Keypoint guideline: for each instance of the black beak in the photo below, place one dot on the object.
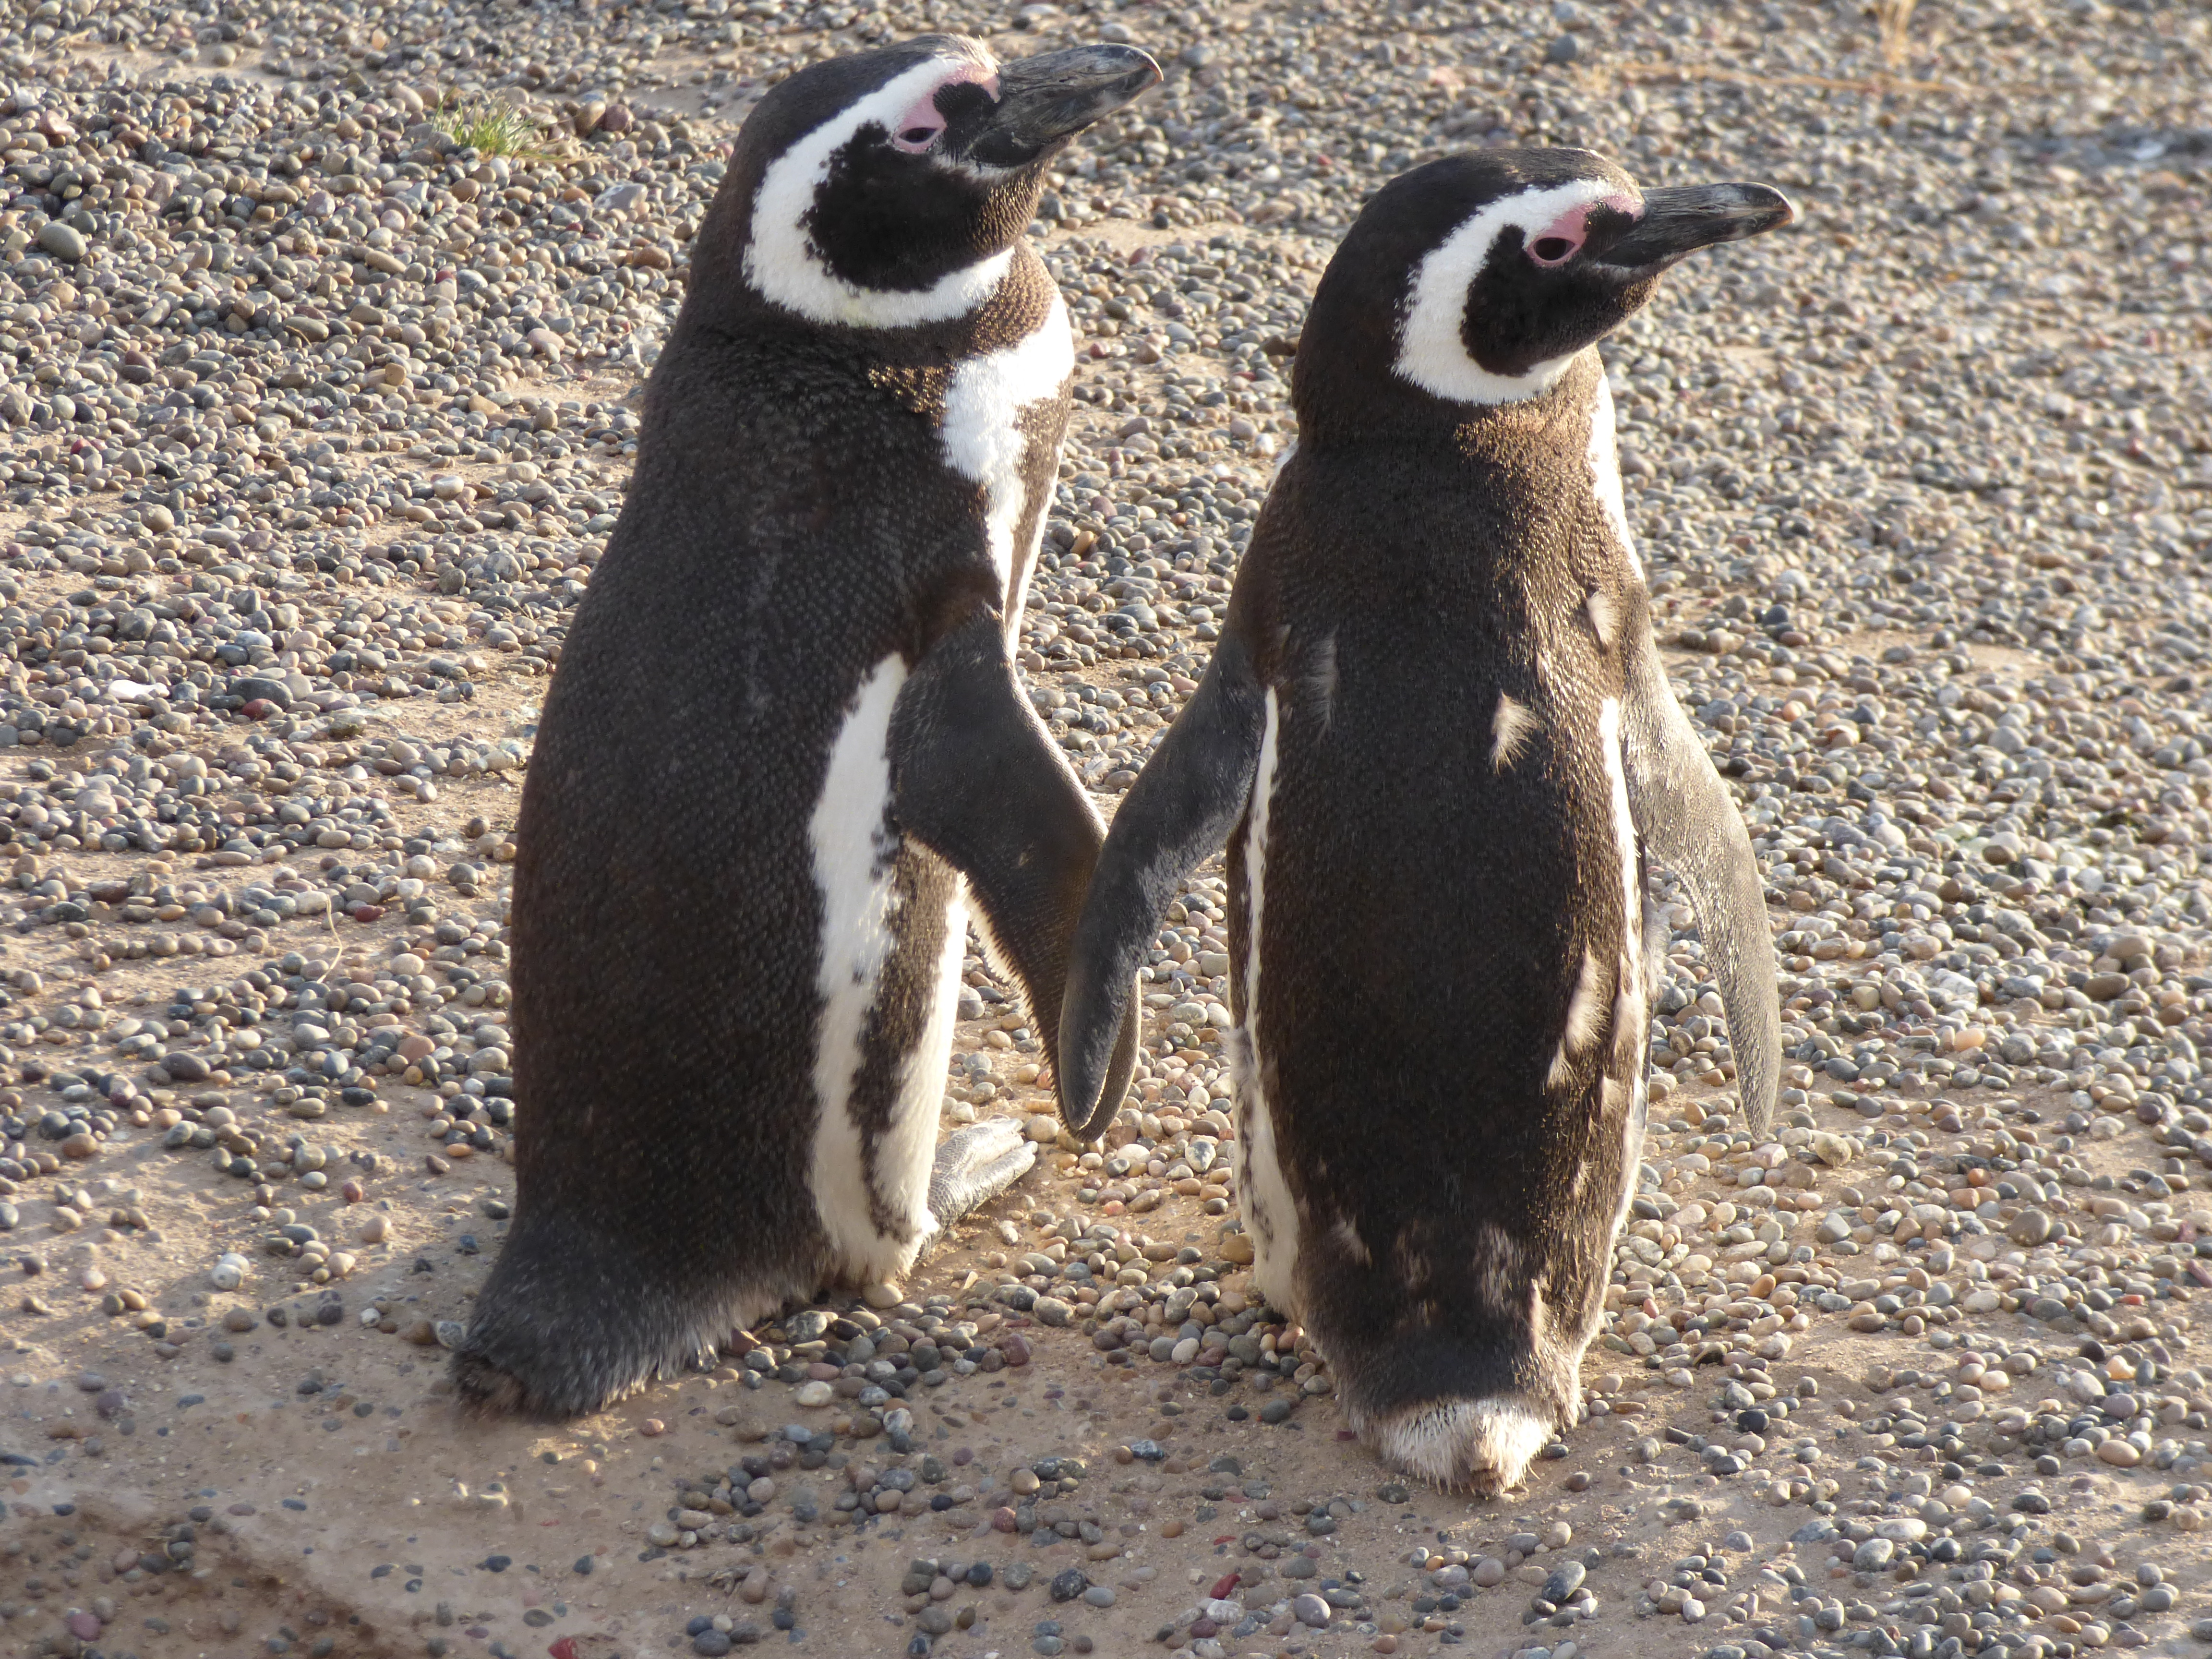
(1678, 223)
(1046, 99)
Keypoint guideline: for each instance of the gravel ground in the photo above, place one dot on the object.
(314, 424)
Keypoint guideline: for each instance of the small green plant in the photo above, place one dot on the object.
(489, 126)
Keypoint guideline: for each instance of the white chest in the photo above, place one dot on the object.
(983, 437)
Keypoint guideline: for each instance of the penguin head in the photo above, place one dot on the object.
(1478, 277)
(888, 189)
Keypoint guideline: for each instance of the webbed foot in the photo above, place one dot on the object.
(974, 1165)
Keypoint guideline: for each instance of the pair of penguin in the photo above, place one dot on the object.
(785, 760)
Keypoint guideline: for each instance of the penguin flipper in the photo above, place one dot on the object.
(1689, 822)
(977, 781)
(1184, 805)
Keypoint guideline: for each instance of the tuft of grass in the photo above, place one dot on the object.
(1893, 19)
(490, 126)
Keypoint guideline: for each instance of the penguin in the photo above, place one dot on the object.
(1437, 741)
(784, 759)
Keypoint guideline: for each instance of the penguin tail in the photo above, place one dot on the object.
(1463, 1410)
(564, 1329)
(1482, 1445)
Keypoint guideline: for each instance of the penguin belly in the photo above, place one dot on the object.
(895, 916)
(894, 931)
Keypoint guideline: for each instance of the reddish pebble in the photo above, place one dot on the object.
(258, 709)
(1017, 1349)
(353, 1192)
(1002, 1520)
(83, 1626)
(1204, 1627)
(1222, 1586)
(563, 1649)
(651, 1426)
(1171, 1529)
(366, 913)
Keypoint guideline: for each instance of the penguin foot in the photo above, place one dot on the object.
(975, 1165)
(1480, 1446)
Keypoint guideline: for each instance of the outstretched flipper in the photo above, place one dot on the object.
(1689, 823)
(1183, 806)
(974, 1165)
(977, 781)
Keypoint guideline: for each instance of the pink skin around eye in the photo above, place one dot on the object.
(1560, 241)
(920, 127)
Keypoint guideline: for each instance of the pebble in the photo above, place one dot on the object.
(1931, 579)
(63, 241)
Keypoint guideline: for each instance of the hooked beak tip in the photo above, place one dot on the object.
(1055, 95)
(1678, 221)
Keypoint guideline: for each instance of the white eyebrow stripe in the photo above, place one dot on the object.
(782, 263)
(1431, 352)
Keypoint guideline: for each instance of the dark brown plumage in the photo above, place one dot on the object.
(795, 526)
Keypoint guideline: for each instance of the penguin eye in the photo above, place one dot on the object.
(1556, 243)
(920, 127)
